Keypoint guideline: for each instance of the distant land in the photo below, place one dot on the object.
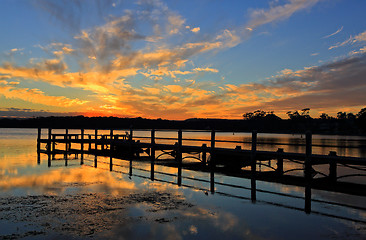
(268, 125)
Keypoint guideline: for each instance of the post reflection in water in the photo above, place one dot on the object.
(255, 174)
(308, 198)
(160, 169)
(253, 189)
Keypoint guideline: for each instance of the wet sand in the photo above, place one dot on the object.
(93, 215)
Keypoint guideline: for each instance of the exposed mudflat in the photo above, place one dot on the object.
(81, 216)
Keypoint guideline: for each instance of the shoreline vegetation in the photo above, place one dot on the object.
(298, 122)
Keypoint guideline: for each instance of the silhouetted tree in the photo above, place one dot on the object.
(248, 116)
(324, 116)
(293, 115)
(341, 115)
(305, 114)
(351, 116)
(271, 116)
(361, 115)
(260, 115)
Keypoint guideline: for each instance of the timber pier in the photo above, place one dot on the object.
(238, 162)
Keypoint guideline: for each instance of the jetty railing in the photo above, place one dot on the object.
(237, 162)
(113, 144)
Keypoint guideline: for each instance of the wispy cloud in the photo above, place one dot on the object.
(16, 49)
(351, 40)
(57, 49)
(359, 51)
(275, 13)
(332, 34)
(69, 14)
(28, 113)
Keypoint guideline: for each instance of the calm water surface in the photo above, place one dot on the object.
(80, 201)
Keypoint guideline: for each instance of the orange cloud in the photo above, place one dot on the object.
(37, 96)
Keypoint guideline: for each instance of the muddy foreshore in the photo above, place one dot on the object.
(93, 215)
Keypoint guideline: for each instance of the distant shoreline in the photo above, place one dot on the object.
(284, 126)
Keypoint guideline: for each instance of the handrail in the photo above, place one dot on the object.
(249, 142)
(248, 198)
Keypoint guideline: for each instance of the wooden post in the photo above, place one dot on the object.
(180, 140)
(179, 156)
(253, 189)
(280, 161)
(253, 154)
(49, 160)
(38, 158)
(212, 150)
(66, 137)
(308, 172)
(39, 139)
(95, 161)
(179, 181)
(307, 198)
(308, 153)
(130, 137)
(39, 146)
(130, 172)
(53, 148)
(49, 141)
(112, 138)
(204, 154)
(212, 162)
(82, 147)
(76, 138)
(111, 151)
(89, 136)
(96, 139)
(103, 141)
(332, 167)
(152, 153)
(239, 159)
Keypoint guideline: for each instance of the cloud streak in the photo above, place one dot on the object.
(332, 34)
(360, 38)
(275, 13)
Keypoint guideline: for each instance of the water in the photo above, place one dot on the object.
(80, 201)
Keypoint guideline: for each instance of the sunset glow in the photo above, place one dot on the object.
(181, 59)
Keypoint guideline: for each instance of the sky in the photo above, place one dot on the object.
(181, 59)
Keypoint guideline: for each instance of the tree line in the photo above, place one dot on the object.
(303, 114)
(299, 121)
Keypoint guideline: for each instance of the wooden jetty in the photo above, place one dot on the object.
(232, 161)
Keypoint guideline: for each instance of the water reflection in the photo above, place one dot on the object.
(174, 176)
(50, 199)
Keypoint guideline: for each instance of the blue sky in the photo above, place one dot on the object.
(181, 59)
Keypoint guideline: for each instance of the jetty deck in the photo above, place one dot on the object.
(238, 162)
